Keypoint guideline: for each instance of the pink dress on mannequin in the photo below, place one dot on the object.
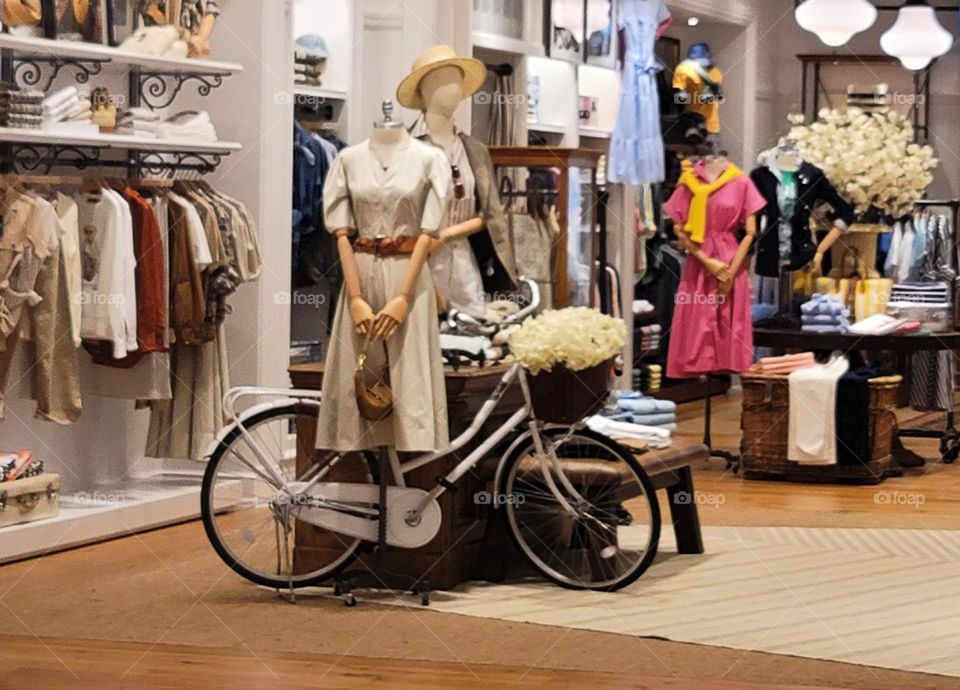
(712, 334)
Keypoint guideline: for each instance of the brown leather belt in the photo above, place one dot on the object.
(385, 246)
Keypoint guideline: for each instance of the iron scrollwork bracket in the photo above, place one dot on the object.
(156, 163)
(37, 72)
(31, 158)
(159, 89)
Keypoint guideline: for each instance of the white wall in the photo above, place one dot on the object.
(107, 444)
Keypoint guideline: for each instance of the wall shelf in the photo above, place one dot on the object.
(27, 47)
(594, 133)
(505, 44)
(319, 92)
(546, 128)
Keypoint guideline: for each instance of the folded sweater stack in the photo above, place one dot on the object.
(309, 68)
(635, 408)
(68, 111)
(650, 337)
(784, 365)
(647, 378)
(655, 437)
(21, 109)
(824, 314)
(188, 125)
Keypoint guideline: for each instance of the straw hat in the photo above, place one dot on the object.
(474, 74)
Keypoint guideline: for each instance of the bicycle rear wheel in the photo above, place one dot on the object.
(606, 535)
(251, 524)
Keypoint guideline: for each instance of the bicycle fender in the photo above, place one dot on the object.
(503, 461)
(247, 414)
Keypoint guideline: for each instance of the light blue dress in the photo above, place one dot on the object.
(636, 151)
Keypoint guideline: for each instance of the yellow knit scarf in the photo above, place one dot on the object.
(697, 221)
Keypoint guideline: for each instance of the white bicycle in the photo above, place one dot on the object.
(578, 505)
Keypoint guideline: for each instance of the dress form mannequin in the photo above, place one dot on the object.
(388, 139)
(442, 91)
(723, 272)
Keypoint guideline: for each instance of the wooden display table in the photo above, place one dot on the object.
(451, 558)
(902, 345)
(469, 546)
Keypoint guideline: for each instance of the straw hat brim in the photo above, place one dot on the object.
(474, 74)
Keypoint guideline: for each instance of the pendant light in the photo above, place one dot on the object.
(836, 21)
(916, 38)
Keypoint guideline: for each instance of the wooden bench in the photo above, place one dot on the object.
(670, 470)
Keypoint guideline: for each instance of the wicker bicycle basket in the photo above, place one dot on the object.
(561, 396)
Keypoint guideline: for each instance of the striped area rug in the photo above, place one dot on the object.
(875, 597)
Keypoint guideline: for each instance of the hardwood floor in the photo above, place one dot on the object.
(62, 663)
(924, 498)
(159, 610)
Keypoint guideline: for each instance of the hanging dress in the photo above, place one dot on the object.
(404, 199)
(636, 151)
(712, 333)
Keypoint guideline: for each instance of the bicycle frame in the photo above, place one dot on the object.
(400, 470)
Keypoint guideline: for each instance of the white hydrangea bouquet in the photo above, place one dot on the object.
(577, 338)
(871, 158)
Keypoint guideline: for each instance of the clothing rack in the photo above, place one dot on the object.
(11, 180)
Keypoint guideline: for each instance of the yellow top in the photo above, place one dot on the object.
(696, 225)
(686, 79)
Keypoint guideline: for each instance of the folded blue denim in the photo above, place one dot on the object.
(640, 404)
(661, 419)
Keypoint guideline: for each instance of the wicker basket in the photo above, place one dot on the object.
(766, 421)
(561, 396)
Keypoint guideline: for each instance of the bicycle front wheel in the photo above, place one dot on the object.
(250, 522)
(588, 519)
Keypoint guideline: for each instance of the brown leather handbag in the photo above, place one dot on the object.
(374, 402)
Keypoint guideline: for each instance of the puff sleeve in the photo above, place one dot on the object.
(337, 204)
(678, 205)
(439, 180)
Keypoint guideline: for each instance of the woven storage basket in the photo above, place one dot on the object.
(766, 422)
(561, 396)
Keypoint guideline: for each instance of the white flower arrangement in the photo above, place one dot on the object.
(871, 158)
(576, 337)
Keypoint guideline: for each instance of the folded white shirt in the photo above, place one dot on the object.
(657, 437)
(878, 324)
(57, 99)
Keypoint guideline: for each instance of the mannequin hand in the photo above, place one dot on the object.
(390, 317)
(362, 315)
(724, 286)
(436, 244)
(715, 266)
(817, 265)
(198, 46)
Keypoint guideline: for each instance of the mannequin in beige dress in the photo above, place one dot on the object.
(385, 143)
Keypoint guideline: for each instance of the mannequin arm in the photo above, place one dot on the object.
(395, 312)
(825, 246)
(714, 266)
(455, 232)
(360, 311)
(200, 42)
(726, 280)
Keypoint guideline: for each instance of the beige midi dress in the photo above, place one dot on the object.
(405, 198)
